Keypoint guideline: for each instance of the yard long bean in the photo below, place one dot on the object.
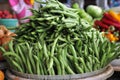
(59, 42)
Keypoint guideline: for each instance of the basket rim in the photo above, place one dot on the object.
(67, 76)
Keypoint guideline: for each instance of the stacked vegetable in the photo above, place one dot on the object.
(57, 41)
(90, 14)
(110, 24)
(82, 13)
(5, 14)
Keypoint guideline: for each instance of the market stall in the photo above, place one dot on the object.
(56, 42)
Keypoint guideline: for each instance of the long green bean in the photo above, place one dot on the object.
(58, 41)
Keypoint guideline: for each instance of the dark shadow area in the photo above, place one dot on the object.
(115, 76)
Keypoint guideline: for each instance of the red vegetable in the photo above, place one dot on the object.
(109, 17)
(5, 14)
(108, 22)
(101, 24)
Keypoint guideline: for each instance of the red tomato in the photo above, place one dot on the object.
(1, 12)
(6, 12)
(10, 15)
(3, 16)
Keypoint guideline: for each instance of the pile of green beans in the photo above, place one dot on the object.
(62, 56)
(57, 41)
(50, 21)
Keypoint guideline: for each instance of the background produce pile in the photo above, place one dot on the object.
(5, 14)
(110, 25)
(58, 41)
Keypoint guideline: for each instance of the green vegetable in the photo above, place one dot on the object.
(85, 15)
(58, 41)
(82, 13)
(94, 11)
(75, 6)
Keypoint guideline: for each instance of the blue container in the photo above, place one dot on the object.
(9, 23)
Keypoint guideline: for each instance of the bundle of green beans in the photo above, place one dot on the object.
(52, 20)
(57, 41)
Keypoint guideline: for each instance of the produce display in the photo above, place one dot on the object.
(82, 13)
(5, 14)
(91, 13)
(57, 41)
(110, 25)
(8, 19)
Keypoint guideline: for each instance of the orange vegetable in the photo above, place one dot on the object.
(1, 33)
(5, 37)
(2, 27)
(114, 15)
(2, 76)
(111, 37)
(119, 15)
(5, 40)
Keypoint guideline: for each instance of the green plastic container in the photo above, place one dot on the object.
(11, 24)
